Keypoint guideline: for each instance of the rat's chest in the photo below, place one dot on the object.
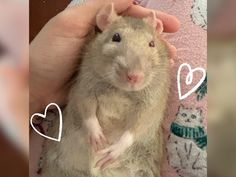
(115, 111)
(114, 105)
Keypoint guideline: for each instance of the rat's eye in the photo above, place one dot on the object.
(116, 37)
(184, 114)
(151, 44)
(193, 116)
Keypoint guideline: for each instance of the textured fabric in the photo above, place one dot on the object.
(191, 44)
(197, 134)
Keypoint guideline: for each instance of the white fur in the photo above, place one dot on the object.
(125, 141)
(92, 124)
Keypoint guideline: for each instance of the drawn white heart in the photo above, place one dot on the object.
(189, 79)
(44, 116)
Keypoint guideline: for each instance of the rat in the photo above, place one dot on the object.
(112, 123)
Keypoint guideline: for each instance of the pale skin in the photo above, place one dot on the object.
(54, 54)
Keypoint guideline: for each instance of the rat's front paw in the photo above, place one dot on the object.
(114, 151)
(110, 155)
(96, 136)
(97, 139)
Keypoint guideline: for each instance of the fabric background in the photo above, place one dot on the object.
(191, 44)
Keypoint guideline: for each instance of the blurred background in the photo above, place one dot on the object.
(14, 39)
(222, 88)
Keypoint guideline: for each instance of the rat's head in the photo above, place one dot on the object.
(189, 117)
(130, 52)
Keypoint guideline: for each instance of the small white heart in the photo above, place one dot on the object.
(44, 116)
(189, 79)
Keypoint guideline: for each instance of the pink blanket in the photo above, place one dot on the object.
(191, 44)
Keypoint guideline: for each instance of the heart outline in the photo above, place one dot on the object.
(189, 80)
(58, 139)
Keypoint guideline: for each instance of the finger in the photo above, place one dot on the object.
(94, 144)
(103, 160)
(102, 142)
(105, 164)
(99, 144)
(121, 5)
(171, 23)
(104, 151)
(103, 139)
(171, 49)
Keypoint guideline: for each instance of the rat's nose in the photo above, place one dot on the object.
(134, 78)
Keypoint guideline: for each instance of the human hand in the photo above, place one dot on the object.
(54, 53)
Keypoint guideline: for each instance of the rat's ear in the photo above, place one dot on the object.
(154, 22)
(106, 16)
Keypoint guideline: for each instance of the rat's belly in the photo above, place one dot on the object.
(114, 112)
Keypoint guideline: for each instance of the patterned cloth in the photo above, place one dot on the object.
(191, 44)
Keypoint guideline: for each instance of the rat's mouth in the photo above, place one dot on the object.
(127, 86)
(129, 82)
